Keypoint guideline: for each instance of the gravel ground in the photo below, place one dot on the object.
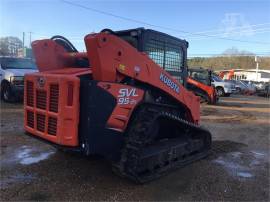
(237, 169)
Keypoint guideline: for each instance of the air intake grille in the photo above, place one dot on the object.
(30, 93)
(42, 106)
(30, 119)
(52, 126)
(41, 122)
(41, 99)
(54, 96)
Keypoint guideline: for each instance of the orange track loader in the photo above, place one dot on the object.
(199, 82)
(119, 100)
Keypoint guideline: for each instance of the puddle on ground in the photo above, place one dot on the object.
(26, 155)
(244, 174)
(242, 165)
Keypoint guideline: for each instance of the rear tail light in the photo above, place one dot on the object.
(70, 94)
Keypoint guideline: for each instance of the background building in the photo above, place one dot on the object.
(246, 74)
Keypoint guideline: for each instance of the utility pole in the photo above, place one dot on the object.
(23, 40)
(257, 67)
(30, 39)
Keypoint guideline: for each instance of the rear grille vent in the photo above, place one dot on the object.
(52, 126)
(42, 106)
(30, 119)
(41, 99)
(41, 122)
(30, 93)
(54, 96)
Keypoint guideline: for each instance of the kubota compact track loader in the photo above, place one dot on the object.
(119, 100)
(199, 81)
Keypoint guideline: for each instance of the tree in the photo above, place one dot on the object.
(229, 62)
(9, 46)
(235, 52)
(230, 59)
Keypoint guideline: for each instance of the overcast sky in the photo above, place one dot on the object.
(210, 26)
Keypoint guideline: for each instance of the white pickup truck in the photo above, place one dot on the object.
(12, 72)
(223, 88)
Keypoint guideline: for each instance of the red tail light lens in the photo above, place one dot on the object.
(70, 95)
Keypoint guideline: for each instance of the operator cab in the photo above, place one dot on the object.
(201, 75)
(167, 51)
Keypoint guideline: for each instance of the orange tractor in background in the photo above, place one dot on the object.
(124, 99)
(229, 74)
(199, 82)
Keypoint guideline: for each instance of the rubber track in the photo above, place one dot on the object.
(139, 137)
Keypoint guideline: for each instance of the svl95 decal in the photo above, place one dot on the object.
(126, 96)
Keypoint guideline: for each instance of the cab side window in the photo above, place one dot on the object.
(168, 56)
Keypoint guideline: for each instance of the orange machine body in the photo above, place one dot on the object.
(53, 97)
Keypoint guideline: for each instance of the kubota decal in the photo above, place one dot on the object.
(169, 82)
(126, 96)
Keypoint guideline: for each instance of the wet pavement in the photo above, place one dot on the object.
(236, 169)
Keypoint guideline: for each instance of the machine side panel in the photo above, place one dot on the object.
(112, 57)
(102, 119)
(128, 97)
